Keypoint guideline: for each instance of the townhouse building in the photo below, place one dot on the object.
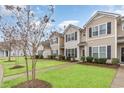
(101, 37)
(105, 36)
(44, 49)
(72, 38)
(57, 43)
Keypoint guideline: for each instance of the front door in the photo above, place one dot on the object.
(122, 54)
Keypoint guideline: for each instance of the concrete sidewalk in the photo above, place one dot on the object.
(1, 74)
(118, 82)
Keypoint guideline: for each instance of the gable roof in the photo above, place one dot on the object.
(46, 44)
(69, 26)
(103, 13)
(57, 34)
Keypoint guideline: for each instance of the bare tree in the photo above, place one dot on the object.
(32, 30)
(8, 34)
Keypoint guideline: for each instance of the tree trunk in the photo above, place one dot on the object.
(9, 56)
(26, 61)
(33, 66)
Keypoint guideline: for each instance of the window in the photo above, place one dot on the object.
(72, 36)
(70, 52)
(95, 52)
(54, 40)
(102, 51)
(123, 26)
(95, 31)
(40, 52)
(102, 29)
(55, 52)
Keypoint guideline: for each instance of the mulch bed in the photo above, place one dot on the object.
(17, 67)
(100, 65)
(36, 84)
(10, 61)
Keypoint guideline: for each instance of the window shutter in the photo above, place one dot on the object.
(108, 52)
(90, 51)
(66, 52)
(75, 52)
(75, 35)
(66, 38)
(57, 52)
(90, 32)
(51, 52)
(57, 40)
(109, 28)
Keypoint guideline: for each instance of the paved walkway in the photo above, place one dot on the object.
(39, 70)
(1, 74)
(118, 82)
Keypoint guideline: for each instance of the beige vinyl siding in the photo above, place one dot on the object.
(72, 44)
(99, 21)
(102, 39)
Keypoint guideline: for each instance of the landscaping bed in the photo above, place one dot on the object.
(101, 65)
(17, 67)
(34, 84)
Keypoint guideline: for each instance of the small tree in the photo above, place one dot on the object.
(31, 31)
(8, 35)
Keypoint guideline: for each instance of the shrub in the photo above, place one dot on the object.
(115, 60)
(102, 60)
(89, 59)
(82, 58)
(68, 58)
(36, 56)
(49, 57)
(61, 57)
(96, 60)
(41, 56)
(53, 56)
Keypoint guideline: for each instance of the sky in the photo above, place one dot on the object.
(69, 14)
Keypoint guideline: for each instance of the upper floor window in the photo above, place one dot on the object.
(54, 40)
(102, 29)
(123, 26)
(95, 31)
(70, 37)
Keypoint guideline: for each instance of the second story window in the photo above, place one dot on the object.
(102, 29)
(54, 41)
(123, 26)
(95, 31)
(71, 37)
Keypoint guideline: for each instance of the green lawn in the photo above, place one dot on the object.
(75, 76)
(40, 64)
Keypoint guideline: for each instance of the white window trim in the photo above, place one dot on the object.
(93, 31)
(122, 26)
(105, 31)
(92, 50)
(70, 36)
(99, 30)
(99, 50)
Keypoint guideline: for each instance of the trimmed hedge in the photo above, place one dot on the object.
(96, 60)
(102, 60)
(39, 56)
(82, 58)
(115, 60)
(61, 57)
(89, 59)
